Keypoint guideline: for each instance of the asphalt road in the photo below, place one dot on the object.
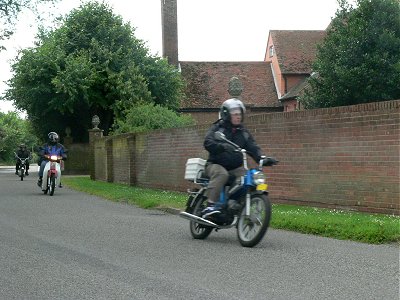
(76, 246)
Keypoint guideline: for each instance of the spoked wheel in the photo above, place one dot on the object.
(21, 173)
(197, 230)
(251, 229)
(52, 184)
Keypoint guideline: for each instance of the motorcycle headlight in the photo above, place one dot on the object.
(53, 157)
(259, 178)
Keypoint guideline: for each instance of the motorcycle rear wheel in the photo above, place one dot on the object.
(199, 231)
(251, 229)
(52, 184)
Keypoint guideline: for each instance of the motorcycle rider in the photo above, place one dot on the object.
(223, 160)
(52, 147)
(22, 152)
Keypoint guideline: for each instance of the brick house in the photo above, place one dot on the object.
(269, 86)
(207, 88)
(291, 54)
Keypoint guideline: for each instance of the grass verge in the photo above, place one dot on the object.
(338, 224)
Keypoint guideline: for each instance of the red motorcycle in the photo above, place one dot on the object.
(51, 174)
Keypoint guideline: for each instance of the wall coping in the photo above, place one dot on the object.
(373, 106)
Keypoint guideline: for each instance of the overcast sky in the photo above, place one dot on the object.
(208, 30)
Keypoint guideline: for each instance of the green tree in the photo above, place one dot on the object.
(13, 132)
(9, 11)
(359, 60)
(92, 64)
(148, 117)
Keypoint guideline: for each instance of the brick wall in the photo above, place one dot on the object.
(346, 157)
(77, 162)
(120, 156)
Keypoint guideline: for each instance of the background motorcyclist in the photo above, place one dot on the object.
(52, 147)
(223, 160)
(22, 152)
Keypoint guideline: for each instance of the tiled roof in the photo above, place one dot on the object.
(296, 49)
(207, 83)
(296, 90)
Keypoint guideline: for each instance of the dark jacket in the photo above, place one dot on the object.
(23, 153)
(239, 135)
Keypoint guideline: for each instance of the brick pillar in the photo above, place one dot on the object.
(132, 165)
(169, 24)
(109, 161)
(94, 134)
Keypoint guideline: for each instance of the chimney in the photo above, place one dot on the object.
(169, 23)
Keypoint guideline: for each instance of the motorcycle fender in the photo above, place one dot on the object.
(52, 172)
(192, 201)
(260, 193)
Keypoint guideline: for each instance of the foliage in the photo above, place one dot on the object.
(9, 11)
(362, 227)
(147, 117)
(13, 132)
(92, 64)
(359, 60)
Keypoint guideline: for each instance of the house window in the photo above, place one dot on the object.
(271, 51)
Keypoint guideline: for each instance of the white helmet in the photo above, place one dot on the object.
(230, 105)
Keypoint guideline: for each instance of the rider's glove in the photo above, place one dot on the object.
(270, 161)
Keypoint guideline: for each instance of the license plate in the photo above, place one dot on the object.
(262, 187)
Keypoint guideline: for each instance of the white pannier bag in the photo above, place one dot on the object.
(193, 167)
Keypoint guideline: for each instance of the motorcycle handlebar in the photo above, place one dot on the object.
(221, 137)
(16, 156)
(264, 162)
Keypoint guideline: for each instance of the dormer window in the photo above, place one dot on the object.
(271, 51)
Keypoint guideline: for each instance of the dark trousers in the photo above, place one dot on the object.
(19, 163)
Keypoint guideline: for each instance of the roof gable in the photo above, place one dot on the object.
(296, 49)
(207, 83)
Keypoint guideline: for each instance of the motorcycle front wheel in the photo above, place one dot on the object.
(52, 184)
(251, 229)
(21, 173)
(199, 231)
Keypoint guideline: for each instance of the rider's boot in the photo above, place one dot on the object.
(39, 183)
(26, 173)
(210, 210)
(16, 172)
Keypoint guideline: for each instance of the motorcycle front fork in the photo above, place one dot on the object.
(224, 199)
(247, 204)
